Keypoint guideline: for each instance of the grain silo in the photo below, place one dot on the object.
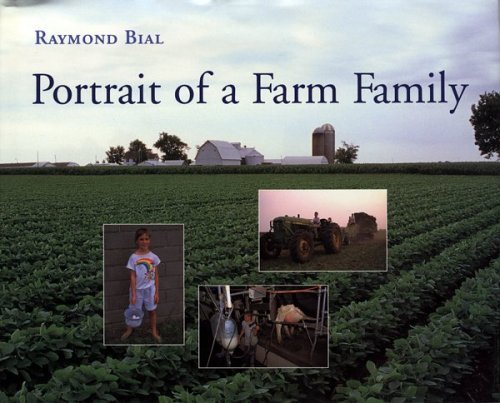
(323, 142)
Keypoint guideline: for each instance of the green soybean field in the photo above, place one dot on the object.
(428, 329)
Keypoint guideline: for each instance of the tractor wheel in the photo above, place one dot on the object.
(301, 247)
(269, 249)
(332, 239)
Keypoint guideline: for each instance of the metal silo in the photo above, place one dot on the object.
(323, 142)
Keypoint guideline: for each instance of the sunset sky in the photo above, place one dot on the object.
(338, 204)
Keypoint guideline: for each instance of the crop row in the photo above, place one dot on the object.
(141, 372)
(164, 372)
(432, 361)
(346, 288)
(411, 204)
(420, 248)
(32, 353)
(116, 380)
(442, 338)
(438, 168)
(41, 292)
(360, 330)
(57, 261)
(204, 259)
(12, 319)
(447, 211)
(33, 251)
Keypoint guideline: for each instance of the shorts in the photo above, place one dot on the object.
(144, 297)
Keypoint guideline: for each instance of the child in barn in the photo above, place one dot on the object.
(144, 281)
(249, 331)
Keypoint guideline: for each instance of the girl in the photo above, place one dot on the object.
(144, 281)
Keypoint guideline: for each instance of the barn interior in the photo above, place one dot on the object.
(303, 334)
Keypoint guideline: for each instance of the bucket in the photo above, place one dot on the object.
(133, 317)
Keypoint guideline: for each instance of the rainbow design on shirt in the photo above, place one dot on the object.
(147, 263)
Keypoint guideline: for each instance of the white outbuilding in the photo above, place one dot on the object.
(249, 155)
(315, 160)
(156, 163)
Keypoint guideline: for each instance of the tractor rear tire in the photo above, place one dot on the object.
(301, 247)
(332, 239)
(269, 249)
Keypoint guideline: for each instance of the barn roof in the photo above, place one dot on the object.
(227, 151)
(231, 151)
(249, 152)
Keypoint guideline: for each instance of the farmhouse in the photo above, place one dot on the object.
(219, 152)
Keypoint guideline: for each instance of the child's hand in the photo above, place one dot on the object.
(157, 297)
(132, 300)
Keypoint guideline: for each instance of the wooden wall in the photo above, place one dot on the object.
(167, 241)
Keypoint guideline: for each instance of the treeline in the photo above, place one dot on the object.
(429, 168)
(172, 147)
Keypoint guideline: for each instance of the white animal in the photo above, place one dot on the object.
(288, 313)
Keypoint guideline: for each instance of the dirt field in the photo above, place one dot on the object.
(367, 255)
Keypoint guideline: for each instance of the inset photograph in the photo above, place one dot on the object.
(323, 230)
(263, 326)
(143, 284)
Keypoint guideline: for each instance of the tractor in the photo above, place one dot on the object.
(300, 236)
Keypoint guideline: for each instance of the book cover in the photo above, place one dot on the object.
(180, 117)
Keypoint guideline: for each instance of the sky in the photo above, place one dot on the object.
(300, 42)
(338, 204)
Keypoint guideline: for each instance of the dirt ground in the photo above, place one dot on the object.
(366, 255)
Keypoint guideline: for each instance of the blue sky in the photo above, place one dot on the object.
(301, 42)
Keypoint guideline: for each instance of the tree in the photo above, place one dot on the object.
(138, 152)
(486, 122)
(116, 154)
(172, 147)
(346, 154)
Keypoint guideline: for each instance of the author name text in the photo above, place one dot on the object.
(129, 37)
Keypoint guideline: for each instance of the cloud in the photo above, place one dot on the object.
(24, 3)
(300, 42)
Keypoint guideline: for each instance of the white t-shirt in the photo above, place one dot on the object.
(248, 327)
(145, 269)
